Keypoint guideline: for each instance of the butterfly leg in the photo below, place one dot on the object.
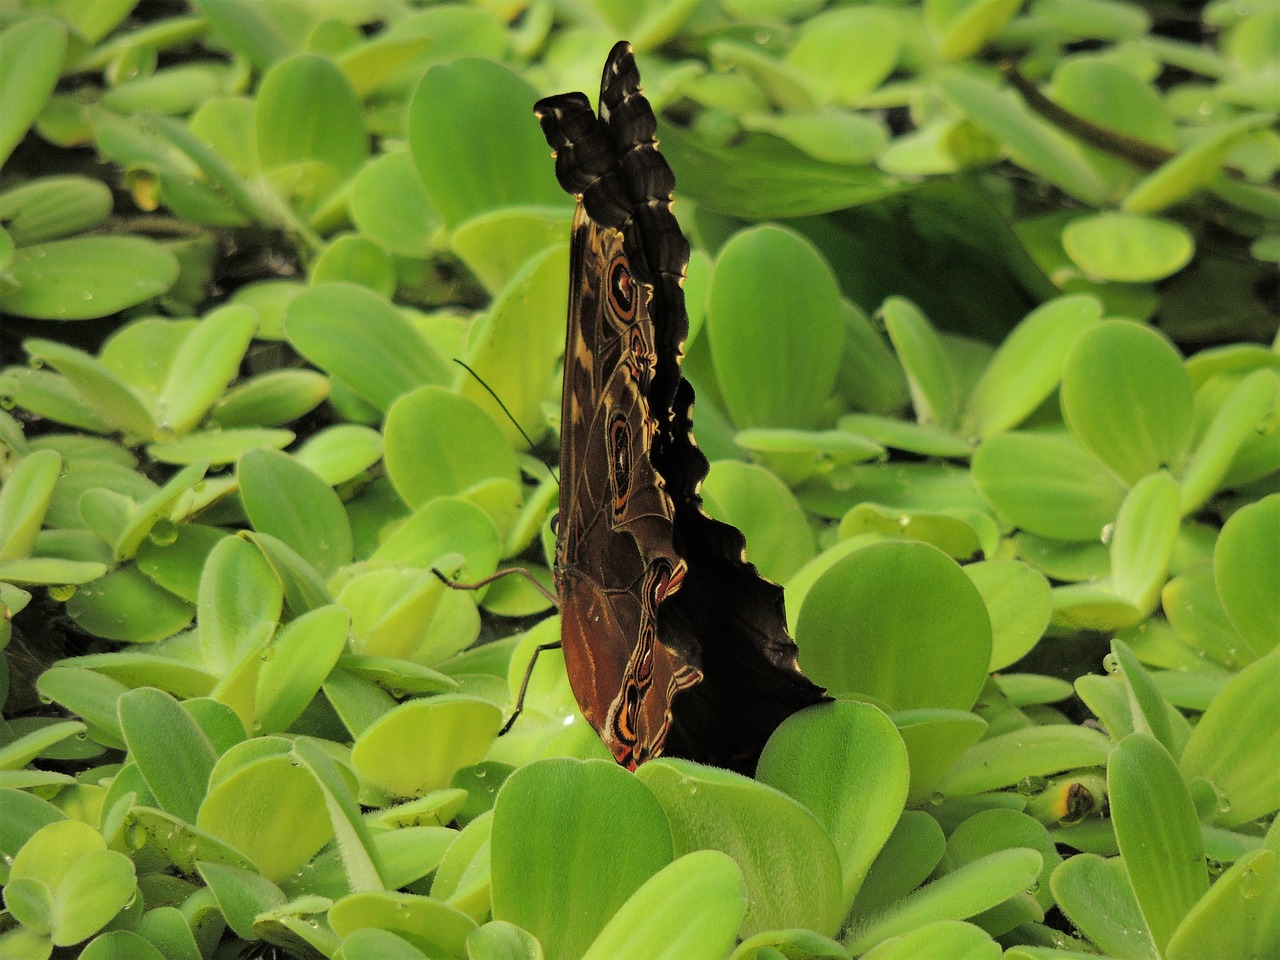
(485, 581)
(524, 684)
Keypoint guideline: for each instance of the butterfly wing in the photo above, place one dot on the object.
(721, 626)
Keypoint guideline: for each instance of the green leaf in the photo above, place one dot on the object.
(1127, 247)
(1150, 712)
(121, 945)
(788, 859)
(1247, 572)
(240, 602)
(360, 339)
(847, 764)
(1045, 484)
(254, 31)
(361, 860)
(760, 505)
(241, 894)
(759, 177)
(441, 444)
(1232, 745)
(89, 695)
(149, 517)
(372, 943)
(66, 872)
(1237, 916)
(845, 53)
(126, 605)
(761, 274)
(218, 446)
(31, 56)
(307, 112)
(475, 143)
(1028, 365)
(24, 499)
(172, 752)
(931, 377)
(81, 278)
(1105, 92)
(519, 345)
(49, 208)
(390, 205)
(1157, 832)
(1146, 532)
(963, 893)
(496, 246)
(1127, 398)
(421, 744)
(1097, 897)
(935, 738)
(690, 909)
(1002, 760)
(285, 499)
(1019, 605)
(499, 940)
(1192, 169)
(272, 811)
(111, 398)
(961, 27)
(271, 399)
(50, 395)
(441, 527)
(616, 820)
(207, 361)
(17, 753)
(297, 662)
(435, 927)
(899, 622)
(1241, 416)
(1030, 142)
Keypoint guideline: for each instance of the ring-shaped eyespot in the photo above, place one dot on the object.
(620, 459)
(622, 289)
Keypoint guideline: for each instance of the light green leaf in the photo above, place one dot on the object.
(88, 276)
(847, 764)
(1127, 398)
(172, 752)
(935, 392)
(24, 498)
(690, 909)
(788, 860)
(615, 817)
(1157, 832)
(1028, 365)
(31, 55)
(761, 274)
(1127, 247)
(1232, 745)
(1247, 572)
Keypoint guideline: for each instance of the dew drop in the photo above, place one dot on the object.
(1032, 786)
(63, 592)
(1108, 532)
(163, 533)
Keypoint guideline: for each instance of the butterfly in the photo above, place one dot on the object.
(672, 641)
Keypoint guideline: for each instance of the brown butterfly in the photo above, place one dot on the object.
(672, 641)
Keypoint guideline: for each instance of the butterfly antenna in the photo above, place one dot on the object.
(498, 401)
